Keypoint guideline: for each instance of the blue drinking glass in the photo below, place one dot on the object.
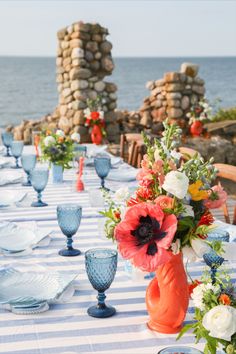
(16, 150)
(69, 217)
(102, 167)
(28, 163)
(211, 258)
(7, 138)
(39, 180)
(101, 265)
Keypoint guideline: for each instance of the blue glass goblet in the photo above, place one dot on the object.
(102, 167)
(16, 150)
(211, 258)
(28, 163)
(7, 138)
(69, 217)
(101, 265)
(39, 180)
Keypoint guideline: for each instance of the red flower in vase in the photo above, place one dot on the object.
(95, 115)
(145, 235)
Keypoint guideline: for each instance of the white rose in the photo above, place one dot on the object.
(49, 140)
(75, 137)
(189, 254)
(121, 195)
(198, 294)
(176, 183)
(220, 321)
(188, 211)
(200, 247)
(60, 133)
(101, 115)
(87, 113)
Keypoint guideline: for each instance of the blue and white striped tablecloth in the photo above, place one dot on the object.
(66, 328)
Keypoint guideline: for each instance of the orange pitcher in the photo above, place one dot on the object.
(167, 297)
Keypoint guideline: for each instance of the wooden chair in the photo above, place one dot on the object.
(228, 172)
(187, 153)
(127, 146)
(139, 152)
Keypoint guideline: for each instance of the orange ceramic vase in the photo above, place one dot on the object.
(196, 128)
(96, 135)
(167, 297)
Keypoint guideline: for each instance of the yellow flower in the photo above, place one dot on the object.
(196, 193)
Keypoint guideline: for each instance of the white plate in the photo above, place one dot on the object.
(10, 197)
(14, 238)
(4, 162)
(122, 175)
(24, 288)
(8, 177)
(94, 150)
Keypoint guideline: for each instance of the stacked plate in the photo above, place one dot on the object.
(30, 292)
(11, 197)
(10, 177)
(4, 162)
(20, 240)
(123, 175)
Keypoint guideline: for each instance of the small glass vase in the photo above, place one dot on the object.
(57, 173)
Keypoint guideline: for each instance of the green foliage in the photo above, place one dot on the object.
(225, 114)
(60, 152)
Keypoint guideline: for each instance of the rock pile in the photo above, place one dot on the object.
(83, 60)
(172, 96)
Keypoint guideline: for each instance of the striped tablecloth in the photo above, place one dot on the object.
(66, 328)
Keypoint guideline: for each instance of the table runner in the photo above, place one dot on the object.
(66, 328)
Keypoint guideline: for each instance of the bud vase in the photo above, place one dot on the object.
(57, 173)
(96, 135)
(196, 128)
(167, 297)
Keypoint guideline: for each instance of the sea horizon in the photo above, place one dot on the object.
(29, 89)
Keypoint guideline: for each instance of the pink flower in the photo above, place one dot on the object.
(217, 197)
(145, 162)
(145, 177)
(164, 202)
(145, 235)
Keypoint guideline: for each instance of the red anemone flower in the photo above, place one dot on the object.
(145, 235)
(95, 115)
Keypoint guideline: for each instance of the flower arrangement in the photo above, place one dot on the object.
(170, 210)
(200, 111)
(57, 148)
(215, 313)
(94, 115)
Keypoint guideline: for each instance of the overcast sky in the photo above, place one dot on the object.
(137, 28)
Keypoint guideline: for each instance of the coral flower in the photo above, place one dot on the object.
(224, 299)
(145, 235)
(60, 139)
(195, 191)
(206, 219)
(144, 194)
(217, 197)
(164, 202)
(94, 115)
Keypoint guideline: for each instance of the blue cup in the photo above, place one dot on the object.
(39, 180)
(7, 138)
(28, 163)
(102, 166)
(69, 218)
(101, 265)
(16, 150)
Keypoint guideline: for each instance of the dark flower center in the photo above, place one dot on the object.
(147, 232)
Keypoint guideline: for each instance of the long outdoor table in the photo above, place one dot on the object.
(66, 328)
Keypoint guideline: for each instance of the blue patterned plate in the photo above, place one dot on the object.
(29, 288)
(179, 350)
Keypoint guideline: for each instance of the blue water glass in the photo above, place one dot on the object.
(7, 138)
(16, 150)
(102, 167)
(28, 163)
(39, 180)
(101, 265)
(69, 217)
(211, 258)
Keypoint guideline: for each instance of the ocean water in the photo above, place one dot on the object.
(28, 88)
